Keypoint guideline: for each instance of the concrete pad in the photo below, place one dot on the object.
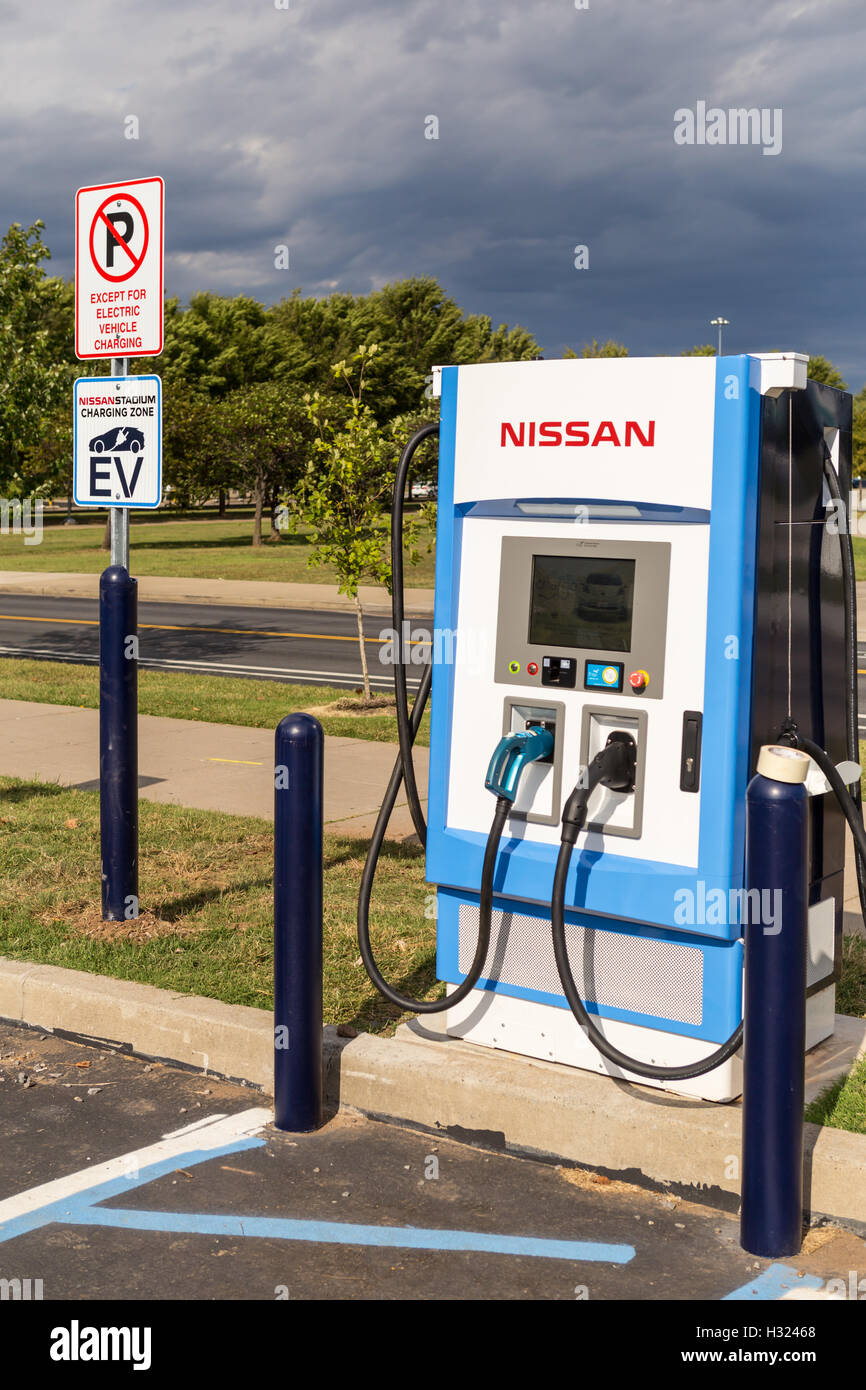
(213, 767)
(491, 1099)
(835, 1056)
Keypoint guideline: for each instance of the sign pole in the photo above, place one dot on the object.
(117, 447)
(120, 515)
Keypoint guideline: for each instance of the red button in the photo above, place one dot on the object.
(532, 668)
(638, 680)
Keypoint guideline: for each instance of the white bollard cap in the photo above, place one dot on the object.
(783, 764)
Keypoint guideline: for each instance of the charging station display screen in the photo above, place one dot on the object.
(582, 601)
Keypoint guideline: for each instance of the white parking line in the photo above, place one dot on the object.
(211, 1134)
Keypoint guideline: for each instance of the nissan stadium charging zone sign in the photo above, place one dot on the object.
(119, 269)
(118, 441)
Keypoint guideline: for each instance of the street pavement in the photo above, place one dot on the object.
(125, 1179)
(294, 645)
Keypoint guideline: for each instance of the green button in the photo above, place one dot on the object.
(514, 667)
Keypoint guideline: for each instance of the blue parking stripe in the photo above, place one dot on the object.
(82, 1210)
(347, 1233)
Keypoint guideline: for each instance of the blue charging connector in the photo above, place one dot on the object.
(511, 756)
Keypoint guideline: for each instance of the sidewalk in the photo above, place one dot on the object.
(252, 593)
(212, 767)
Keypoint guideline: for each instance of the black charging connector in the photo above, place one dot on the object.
(614, 767)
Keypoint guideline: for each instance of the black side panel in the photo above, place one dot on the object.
(817, 607)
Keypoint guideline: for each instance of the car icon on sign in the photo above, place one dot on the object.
(118, 441)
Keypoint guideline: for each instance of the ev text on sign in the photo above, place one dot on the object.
(117, 443)
(119, 269)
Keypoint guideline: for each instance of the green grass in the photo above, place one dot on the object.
(842, 1105)
(206, 925)
(211, 699)
(859, 557)
(186, 549)
(851, 989)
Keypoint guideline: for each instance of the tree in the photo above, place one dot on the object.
(703, 350)
(265, 438)
(307, 336)
(35, 347)
(194, 460)
(215, 345)
(858, 434)
(347, 481)
(610, 348)
(820, 369)
(47, 464)
(415, 326)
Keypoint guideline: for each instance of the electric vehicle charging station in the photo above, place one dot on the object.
(637, 552)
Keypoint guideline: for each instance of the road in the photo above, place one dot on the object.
(298, 646)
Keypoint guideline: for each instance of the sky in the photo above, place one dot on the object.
(305, 123)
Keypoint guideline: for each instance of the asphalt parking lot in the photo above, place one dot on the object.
(124, 1179)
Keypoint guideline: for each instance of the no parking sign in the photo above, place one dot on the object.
(119, 269)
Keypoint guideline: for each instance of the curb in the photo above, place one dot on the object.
(493, 1100)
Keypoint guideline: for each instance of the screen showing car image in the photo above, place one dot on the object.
(581, 601)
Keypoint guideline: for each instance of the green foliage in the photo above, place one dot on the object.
(35, 348)
(820, 369)
(415, 327)
(345, 488)
(858, 434)
(214, 346)
(47, 465)
(347, 483)
(236, 375)
(703, 350)
(264, 441)
(843, 1104)
(610, 348)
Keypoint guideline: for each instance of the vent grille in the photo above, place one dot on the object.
(645, 975)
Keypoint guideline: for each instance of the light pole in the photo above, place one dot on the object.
(720, 324)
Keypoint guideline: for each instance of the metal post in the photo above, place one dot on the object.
(119, 523)
(774, 1012)
(298, 816)
(118, 743)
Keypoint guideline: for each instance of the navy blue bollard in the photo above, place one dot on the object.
(298, 815)
(118, 743)
(774, 1011)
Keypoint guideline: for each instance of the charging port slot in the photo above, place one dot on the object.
(615, 812)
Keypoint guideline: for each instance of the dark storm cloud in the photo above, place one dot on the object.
(306, 127)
